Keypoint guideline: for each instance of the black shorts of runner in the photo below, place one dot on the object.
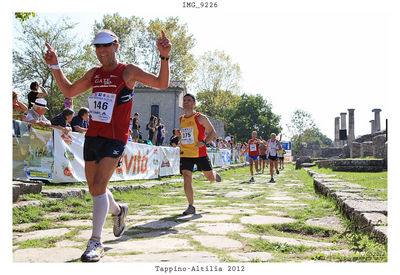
(202, 163)
(96, 148)
(281, 158)
(264, 157)
(273, 158)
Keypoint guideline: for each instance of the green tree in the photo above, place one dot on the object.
(304, 130)
(252, 113)
(29, 66)
(23, 16)
(216, 71)
(216, 104)
(138, 43)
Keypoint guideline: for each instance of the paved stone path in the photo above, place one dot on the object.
(228, 227)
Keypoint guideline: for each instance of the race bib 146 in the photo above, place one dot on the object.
(101, 106)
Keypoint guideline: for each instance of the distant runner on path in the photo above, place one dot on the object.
(193, 148)
(262, 148)
(254, 153)
(110, 106)
(273, 145)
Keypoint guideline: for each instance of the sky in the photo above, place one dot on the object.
(321, 62)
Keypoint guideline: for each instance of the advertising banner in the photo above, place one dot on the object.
(38, 163)
(68, 157)
(139, 161)
(169, 161)
(49, 154)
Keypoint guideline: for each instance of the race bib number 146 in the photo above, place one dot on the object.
(101, 106)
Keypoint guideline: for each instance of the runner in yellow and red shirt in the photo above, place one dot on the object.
(110, 106)
(193, 148)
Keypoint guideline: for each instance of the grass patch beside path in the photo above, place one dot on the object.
(375, 182)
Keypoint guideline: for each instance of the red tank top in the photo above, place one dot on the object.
(106, 83)
(253, 148)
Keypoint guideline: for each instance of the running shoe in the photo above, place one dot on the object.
(251, 180)
(218, 177)
(190, 210)
(119, 220)
(272, 180)
(277, 171)
(93, 252)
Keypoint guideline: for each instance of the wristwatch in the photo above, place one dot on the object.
(164, 58)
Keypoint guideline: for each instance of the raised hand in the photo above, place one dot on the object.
(50, 57)
(163, 44)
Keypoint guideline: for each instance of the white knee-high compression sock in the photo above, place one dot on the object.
(100, 210)
(114, 207)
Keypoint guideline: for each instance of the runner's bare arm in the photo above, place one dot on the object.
(133, 73)
(203, 120)
(67, 88)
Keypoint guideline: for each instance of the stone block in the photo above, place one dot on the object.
(355, 150)
(367, 149)
(20, 188)
(378, 144)
(301, 160)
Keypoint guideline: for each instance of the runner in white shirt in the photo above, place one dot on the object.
(273, 146)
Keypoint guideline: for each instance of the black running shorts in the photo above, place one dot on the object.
(202, 163)
(273, 158)
(264, 157)
(96, 148)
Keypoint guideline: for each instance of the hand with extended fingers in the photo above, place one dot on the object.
(163, 44)
(50, 57)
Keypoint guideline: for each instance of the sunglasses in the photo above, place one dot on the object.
(104, 45)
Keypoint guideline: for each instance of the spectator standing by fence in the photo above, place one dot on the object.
(135, 128)
(62, 120)
(18, 107)
(35, 115)
(80, 122)
(34, 94)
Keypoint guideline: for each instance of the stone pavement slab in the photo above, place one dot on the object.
(47, 255)
(330, 222)
(251, 256)
(152, 245)
(182, 256)
(220, 228)
(258, 219)
(219, 242)
(40, 234)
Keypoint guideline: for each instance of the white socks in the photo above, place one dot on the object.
(101, 204)
(100, 209)
(114, 207)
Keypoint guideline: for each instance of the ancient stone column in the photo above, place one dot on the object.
(343, 121)
(372, 126)
(337, 130)
(351, 136)
(377, 119)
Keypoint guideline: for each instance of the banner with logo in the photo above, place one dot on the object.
(225, 156)
(40, 153)
(38, 163)
(140, 161)
(169, 161)
(68, 157)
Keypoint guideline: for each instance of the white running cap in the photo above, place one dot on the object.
(104, 37)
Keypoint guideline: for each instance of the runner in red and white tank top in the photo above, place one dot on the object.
(110, 105)
(252, 148)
